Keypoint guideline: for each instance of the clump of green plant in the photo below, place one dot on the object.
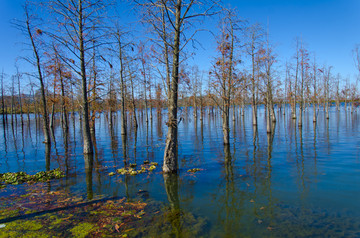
(194, 170)
(82, 230)
(131, 170)
(22, 177)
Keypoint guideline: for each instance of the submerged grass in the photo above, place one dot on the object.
(43, 213)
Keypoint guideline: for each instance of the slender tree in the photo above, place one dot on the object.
(225, 77)
(175, 16)
(79, 30)
(34, 34)
(3, 112)
(255, 34)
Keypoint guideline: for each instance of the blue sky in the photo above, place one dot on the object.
(330, 28)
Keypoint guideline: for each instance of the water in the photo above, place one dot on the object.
(294, 183)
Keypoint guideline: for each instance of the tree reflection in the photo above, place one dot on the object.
(47, 156)
(114, 141)
(159, 125)
(124, 148)
(229, 192)
(172, 192)
(47, 162)
(89, 161)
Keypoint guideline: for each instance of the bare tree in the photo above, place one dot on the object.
(315, 89)
(327, 80)
(79, 31)
(3, 112)
(225, 77)
(255, 35)
(267, 59)
(304, 66)
(174, 16)
(31, 29)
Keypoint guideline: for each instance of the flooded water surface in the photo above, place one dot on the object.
(292, 183)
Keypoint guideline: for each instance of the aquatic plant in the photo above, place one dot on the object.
(194, 170)
(22, 177)
(146, 167)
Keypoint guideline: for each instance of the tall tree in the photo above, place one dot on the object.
(174, 16)
(79, 31)
(31, 28)
(315, 88)
(224, 69)
(3, 112)
(255, 34)
(304, 67)
(267, 59)
(121, 57)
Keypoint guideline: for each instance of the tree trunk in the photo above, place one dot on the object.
(65, 123)
(3, 101)
(88, 146)
(122, 82)
(170, 155)
(225, 124)
(20, 99)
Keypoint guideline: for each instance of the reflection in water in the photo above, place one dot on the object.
(172, 192)
(135, 143)
(5, 140)
(267, 180)
(147, 140)
(47, 162)
(66, 150)
(263, 186)
(89, 160)
(124, 148)
(229, 197)
(47, 156)
(159, 125)
(114, 141)
(315, 150)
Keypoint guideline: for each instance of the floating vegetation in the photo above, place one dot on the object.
(131, 170)
(194, 170)
(22, 177)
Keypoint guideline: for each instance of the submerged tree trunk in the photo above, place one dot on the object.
(170, 164)
(225, 125)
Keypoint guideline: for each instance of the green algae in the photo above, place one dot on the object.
(22, 177)
(82, 230)
(21, 228)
